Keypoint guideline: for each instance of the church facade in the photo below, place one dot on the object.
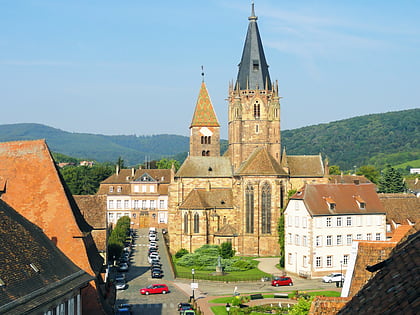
(238, 197)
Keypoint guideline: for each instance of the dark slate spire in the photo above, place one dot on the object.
(253, 70)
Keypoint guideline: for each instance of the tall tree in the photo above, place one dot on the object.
(167, 164)
(391, 181)
(370, 172)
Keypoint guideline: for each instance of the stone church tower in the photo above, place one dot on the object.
(254, 103)
(205, 128)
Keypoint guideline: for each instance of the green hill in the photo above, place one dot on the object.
(378, 139)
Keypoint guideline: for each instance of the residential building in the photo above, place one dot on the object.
(141, 194)
(323, 220)
(238, 197)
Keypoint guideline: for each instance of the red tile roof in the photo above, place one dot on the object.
(204, 115)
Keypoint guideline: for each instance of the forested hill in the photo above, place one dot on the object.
(360, 140)
(351, 142)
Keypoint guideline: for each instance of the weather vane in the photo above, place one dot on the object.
(202, 72)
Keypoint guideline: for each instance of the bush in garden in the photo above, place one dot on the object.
(210, 250)
(181, 253)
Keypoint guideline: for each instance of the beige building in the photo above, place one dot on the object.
(238, 197)
(141, 194)
(323, 220)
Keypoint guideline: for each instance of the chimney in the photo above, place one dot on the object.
(132, 172)
(117, 170)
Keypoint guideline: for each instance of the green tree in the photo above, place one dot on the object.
(370, 172)
(301, 308)
(280, 229)
(120, 163)
(391, 181)
(167, 164)
(335, 170)
(117, 237)
(226, 250)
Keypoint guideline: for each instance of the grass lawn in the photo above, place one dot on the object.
(314, 293)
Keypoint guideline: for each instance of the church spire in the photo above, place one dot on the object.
(253, 70)
(204, 115)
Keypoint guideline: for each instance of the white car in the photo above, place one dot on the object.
(123, 267)
(334, 277)
(153, 237)
(120, 285)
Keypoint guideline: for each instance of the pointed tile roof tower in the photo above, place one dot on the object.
(253, 70)
(254, 103)
(205, 128)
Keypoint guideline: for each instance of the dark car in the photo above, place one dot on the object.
(184, 306)
(157, 274)
(277, 281)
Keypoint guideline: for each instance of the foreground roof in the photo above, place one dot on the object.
(395, 289)
(401, 208)
(345, 197)
(52, 275)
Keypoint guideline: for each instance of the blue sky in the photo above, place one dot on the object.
(134, 67)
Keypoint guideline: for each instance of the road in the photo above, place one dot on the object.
(138, 277)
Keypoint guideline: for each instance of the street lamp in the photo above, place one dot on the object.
(193, 272)
(227, 308)
(341, 277)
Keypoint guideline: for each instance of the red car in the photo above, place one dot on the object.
(281, 281)
(155, 288)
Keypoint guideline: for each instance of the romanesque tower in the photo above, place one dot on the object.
(254, 103)
(204, 129)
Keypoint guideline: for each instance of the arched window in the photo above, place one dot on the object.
(256, 110)
(249, 209)
(203, 153)
(207, 153)
(186, 223)
(209, 142)
(266, 209)
(196, 223)
(202, 139)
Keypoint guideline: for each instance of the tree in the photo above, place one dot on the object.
(280, 228)
(335, 170)
(120, 163)
(167, 164)
(391, 181)
(370, 172)
(226, 250)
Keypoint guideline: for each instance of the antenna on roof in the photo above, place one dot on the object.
(202, 72)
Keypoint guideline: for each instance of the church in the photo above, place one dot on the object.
(238, 197)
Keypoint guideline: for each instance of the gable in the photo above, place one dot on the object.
(260, 162)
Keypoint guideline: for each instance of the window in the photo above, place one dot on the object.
(119, 188)
(196, 223)
(290, 258)
(289, 221)
(136, 188)
(358, 236)
(378, 236)
(339, 219)
(339, 240)
(304, 222)
(152, 188)
(136, 204)
(162, 204)
(296, 221)
(348, 221)
(249, 205)
(345, 260)
(126, 204)
(111, 204)
(111, 189)
(332, 206)
(143, 188)
(119, 204)
(368, 236)
(152, 204)
(305, 261)
(349, 239)
(143, 204)
(266, 209)
(296, 206)
(304, 240)
(255, 65)
(256, 110)
(134, 215)
(186, 223)
(318, 241)
(297, 239)
(362, 205)
(290, 238)
(328, 222)
(329, 240)
(318, 262)
(111, 216)
(257, 128)
(329, 261)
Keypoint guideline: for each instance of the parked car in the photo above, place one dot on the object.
(188, 312)
(123, 267)
(120, 276)
(157, 274)
(155, 288)
(153, 237)
(334, 277)
(120, 285)
(184, 306)
(124, 309)
(154, 255)
(277, 281)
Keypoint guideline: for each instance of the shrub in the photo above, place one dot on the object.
(226, 250)
(181, 253)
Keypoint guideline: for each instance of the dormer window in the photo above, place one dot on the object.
(111, 189)
(332, 206)
(360, 202)
(330, 202)
(255, 65)
(118, 188)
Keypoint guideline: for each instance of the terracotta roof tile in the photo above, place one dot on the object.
(323, 305)
(401, 207)
(260, 162)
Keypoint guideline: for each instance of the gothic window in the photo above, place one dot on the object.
(207, 153)
(196, 223)
(202, 139)
(186, 223)
(249, 206)
(266, 209)
(203, 153)
(257, 110)
(209, 139)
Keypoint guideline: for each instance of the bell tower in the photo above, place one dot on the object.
(254, 103)
(205, 128)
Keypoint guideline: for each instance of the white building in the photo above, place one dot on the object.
(321, 222)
